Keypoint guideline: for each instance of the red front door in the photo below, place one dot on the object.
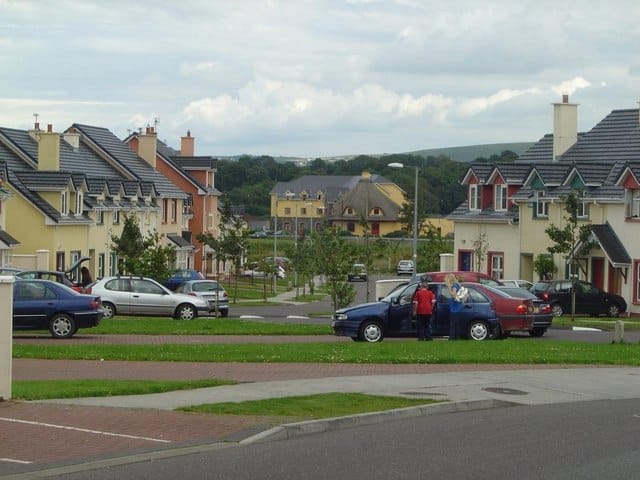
(597, 272)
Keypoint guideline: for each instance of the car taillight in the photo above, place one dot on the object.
(95, 303)
(546, 308)
(87, 290)
(545, 296)
(522, 308)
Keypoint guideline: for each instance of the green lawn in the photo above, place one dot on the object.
(515, 350)
(310, 406)
(43, 389)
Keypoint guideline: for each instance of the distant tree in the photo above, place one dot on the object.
(429, 252)
(480, 248)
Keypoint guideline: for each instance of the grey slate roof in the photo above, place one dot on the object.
(611, 245)
(333, 186)
(179, 241)
(7, 239)
(120, 152)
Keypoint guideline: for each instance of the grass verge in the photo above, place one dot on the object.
(608, 324)
(518, 351)
(45, 389)
(311, 406)
(203, 326)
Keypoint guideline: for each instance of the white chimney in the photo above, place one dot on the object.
(565, 126)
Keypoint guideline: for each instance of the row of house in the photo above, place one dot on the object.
(500, 228)
(66, 194)
(350, 203)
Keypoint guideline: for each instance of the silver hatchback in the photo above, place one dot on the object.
(209, 290)
(143, 296)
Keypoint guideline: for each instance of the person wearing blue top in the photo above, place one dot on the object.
(455, 307)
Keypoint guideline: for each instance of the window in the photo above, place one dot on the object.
(583, 206)
(351, 227)
(100, 265)
(636, 288)
(116, 217)
(100, 217)
(165, 210)
(113, 264)
(501, 197)
(174, 210)
(497, 265)
(79, 201)
(303, 211)
(542, 205)
(64, 203)
(474, 197)
(632, 203)
(60, 262)
(287, 211)
(377, 212)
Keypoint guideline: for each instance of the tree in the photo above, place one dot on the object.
(429, 253)
(143, 256)
(544, 266)
(232, 244)
(567, 239)
(333, 259)
(480, 248)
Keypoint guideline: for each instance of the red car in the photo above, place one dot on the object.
(514, 314)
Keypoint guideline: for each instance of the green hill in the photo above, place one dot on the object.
(471, 152)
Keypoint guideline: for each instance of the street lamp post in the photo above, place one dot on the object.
(415, 217)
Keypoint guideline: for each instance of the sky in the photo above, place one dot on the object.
(318, 78)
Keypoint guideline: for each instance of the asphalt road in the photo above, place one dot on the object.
(586, 440)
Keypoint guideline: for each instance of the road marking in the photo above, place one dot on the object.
(13, 460)
(586, 329)
(297, 317)
(97, 432)
(244, 317)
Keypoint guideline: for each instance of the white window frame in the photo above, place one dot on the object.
(474, 197)
(542, 206)
(116, 217)
(64, 202)
(79, 200)
(497, 265)
(632, 203)
(100, 265)
(500, 198)
(583, 206)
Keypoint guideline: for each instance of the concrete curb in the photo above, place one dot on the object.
(292, 430)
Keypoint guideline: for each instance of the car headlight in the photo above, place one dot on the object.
(340, 316)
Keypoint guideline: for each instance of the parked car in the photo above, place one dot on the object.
(210, 291)
(181, 276)
(144, 296)
(48, 305)
(358, 272)
(542, 314)
(70, 277)
(590, 300)
(515, 313)
(9, 270)
(392, 316)
(517, 283)
(405, 267)
(462, 276)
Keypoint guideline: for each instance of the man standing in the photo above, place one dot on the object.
(423, 303)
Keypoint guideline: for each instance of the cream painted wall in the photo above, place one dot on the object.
(499, 238)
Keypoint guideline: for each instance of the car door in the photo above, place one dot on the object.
(33, 304)
(400, 320)
(589, 299)
(440, 323)
(118, 292)
(149, 298)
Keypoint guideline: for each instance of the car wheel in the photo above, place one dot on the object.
(613, 310)
(371, 332)
(109, 310)
(224, 313)
(478, 330)
(537, 332)
(62, 326)
(185, 312)
(557, 310)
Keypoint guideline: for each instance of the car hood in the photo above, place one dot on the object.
(370, 305)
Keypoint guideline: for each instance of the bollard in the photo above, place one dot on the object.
(618, 332)
(6, 335)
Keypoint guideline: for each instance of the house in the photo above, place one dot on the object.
(69, 193)
(306, 203)
(195, 176)
(500, 229)
(7, 242)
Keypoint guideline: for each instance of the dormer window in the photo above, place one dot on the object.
(542, 205)
(583, 206)
(79, 201)
(474, 197)
(501, 197)
(64, 202)
(632, 203)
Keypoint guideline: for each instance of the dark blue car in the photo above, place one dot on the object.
(181, 276)
(48, 305)
(392, 316)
